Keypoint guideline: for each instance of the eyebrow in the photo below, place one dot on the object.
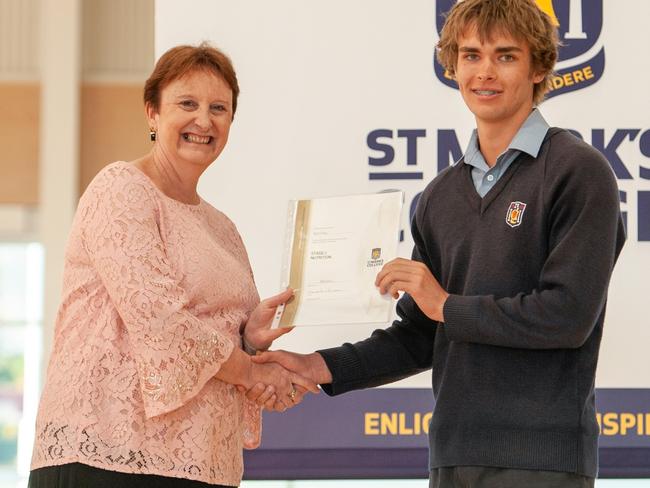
(193, 97)
(503, 49)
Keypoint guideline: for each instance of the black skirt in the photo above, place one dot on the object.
(77, 475)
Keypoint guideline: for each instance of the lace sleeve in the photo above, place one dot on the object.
(175, 353)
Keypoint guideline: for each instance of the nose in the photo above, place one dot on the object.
(203, 119)
(486, 71)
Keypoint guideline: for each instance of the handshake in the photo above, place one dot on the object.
(277, 380)
(280, 379)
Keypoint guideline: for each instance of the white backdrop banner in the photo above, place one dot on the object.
(344, 97)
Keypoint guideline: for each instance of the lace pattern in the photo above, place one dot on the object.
(155, 294)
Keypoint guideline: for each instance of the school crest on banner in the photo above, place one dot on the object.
(581, 61)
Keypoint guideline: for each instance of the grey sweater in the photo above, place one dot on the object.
(527, 267)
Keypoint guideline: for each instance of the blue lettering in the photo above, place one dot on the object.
(644, 145)
(449, 150)
(609, 150)
(411, 136)
(374, 144)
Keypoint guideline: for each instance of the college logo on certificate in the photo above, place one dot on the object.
(375, 258)
(581, 60)
(515, 213)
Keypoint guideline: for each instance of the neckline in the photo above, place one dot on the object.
(160, 192)
(483, 202)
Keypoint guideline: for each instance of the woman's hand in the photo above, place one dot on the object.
(257, 331)
(309, 366)
(284, 389)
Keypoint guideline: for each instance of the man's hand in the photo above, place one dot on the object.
(415, 279)
(311, 366)
(307, 366)
(257, 332)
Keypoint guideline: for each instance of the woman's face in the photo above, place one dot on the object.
(194, 117)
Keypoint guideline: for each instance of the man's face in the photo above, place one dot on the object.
(495, 77)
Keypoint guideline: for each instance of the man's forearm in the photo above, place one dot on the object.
(319, 372)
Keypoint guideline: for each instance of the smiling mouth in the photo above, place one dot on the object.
(486, 93)
(197, 139)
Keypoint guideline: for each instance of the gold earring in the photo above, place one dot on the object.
(152, 135)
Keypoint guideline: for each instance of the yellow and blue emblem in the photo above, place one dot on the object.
(581, 60)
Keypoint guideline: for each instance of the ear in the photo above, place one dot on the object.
(538, 77)
(152, 115)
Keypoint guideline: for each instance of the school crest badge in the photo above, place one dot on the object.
(581, 60)
(376, 253)
(515, 214)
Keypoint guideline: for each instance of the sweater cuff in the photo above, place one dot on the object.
(344, 366)
(462, 317)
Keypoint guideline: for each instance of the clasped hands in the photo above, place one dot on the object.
(276, 387)
(271, 384)
(306, 371)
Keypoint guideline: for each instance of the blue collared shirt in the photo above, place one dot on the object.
(528, 139)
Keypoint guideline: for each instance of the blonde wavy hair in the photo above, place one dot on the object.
(521, 19)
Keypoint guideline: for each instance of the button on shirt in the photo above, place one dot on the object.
(528, 139)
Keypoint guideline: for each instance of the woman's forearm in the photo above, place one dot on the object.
(237, 369)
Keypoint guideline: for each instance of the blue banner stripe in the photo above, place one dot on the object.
(282, 464)
(396, 176)
(383, 432)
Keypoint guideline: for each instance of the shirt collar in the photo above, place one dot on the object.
(528, 139)
(531, 134)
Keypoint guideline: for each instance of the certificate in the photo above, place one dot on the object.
(334, 249)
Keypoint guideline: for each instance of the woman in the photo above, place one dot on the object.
(146, 381)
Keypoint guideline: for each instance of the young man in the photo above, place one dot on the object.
(506, 290)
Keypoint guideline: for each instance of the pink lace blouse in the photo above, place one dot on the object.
(155, 295)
